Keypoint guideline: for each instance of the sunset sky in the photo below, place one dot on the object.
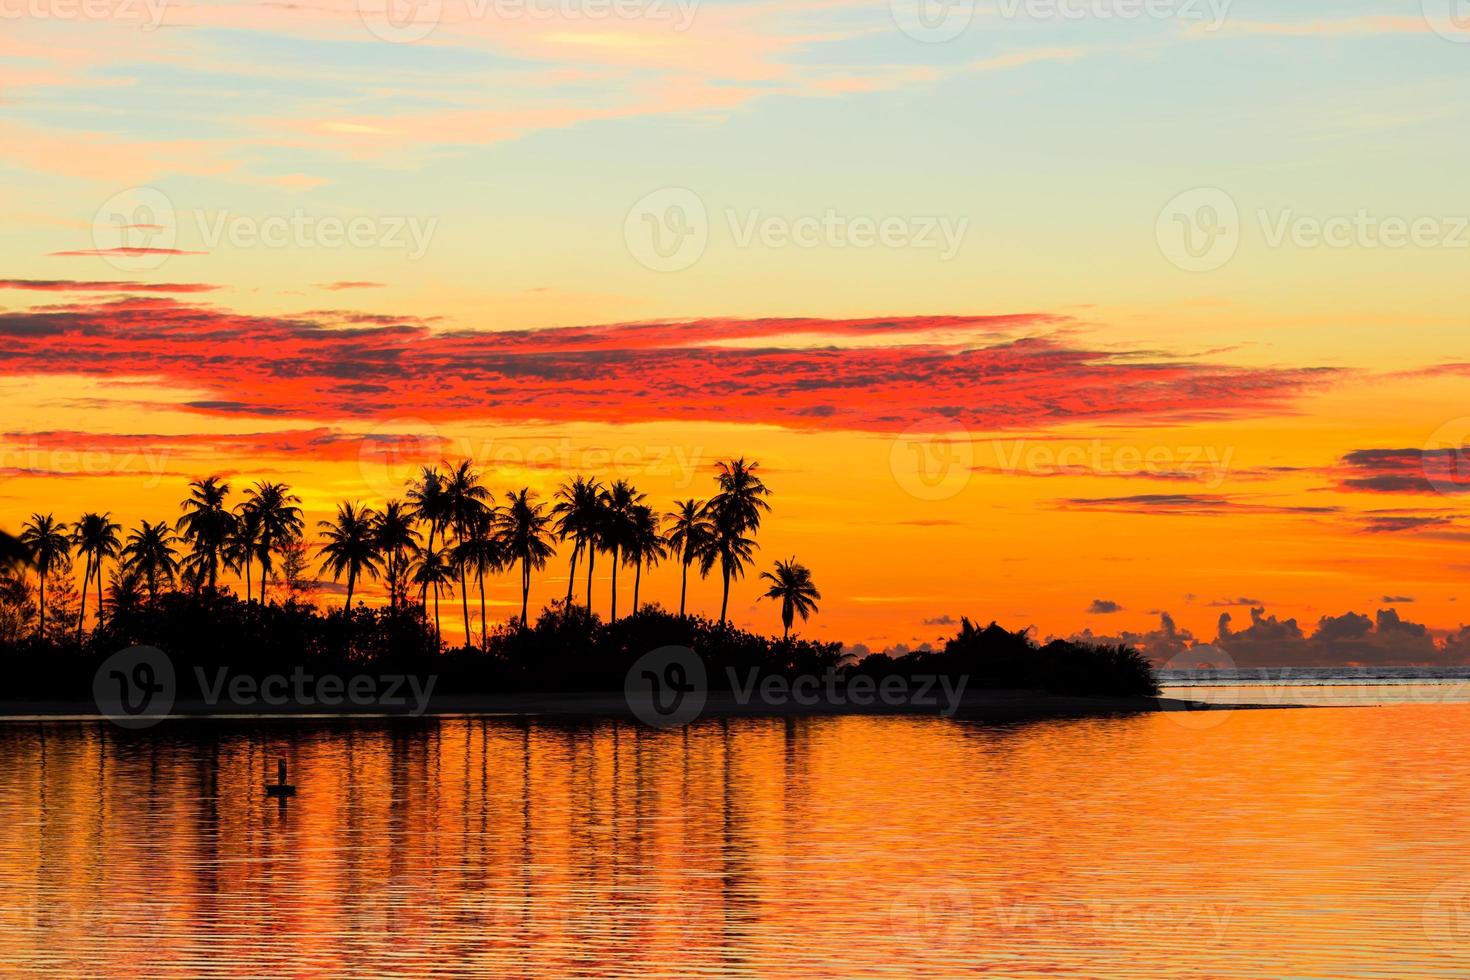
(1065, 313)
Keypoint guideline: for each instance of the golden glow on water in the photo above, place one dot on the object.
(1324, 842)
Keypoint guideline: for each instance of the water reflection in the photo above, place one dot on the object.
(1322, 842)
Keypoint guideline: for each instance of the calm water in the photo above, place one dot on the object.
(1331, 842)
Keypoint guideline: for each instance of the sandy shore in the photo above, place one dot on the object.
(975, 706)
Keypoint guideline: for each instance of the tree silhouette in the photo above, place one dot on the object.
(525, 533)
(464, 502)
(47, 543)
(350, 545)
(150, 553)
(95, 536)
(736, 509)
(396, 540)
(242, 543)
(792, 584)
(645, 545)
(615, 528)
(428, 501)
(274, 506)
(480, 550)
(688, 533)
(431, 571)
(578, 510)
(206, 526)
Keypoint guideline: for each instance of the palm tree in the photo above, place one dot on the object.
(525, 533)
(792, 584)
(615, 528)
(464, 501)
(645, 545)
(736, 509)
(351, 545)
(481, 550)
(689, 534)
(428, 501)
(46, 542)
(96, 537)
(125, 592)
(578, 511)
(280, 522)
(150, 553)
(430, 571)
(396, 539)
(242, 543)
(206, 525)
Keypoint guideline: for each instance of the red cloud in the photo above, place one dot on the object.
(128, 251)
(349, 284)
(878, 375)
(84, 286)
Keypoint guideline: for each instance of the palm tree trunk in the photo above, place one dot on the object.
(464, 600)
(41, 630)
(572, 573)
(248, 597)
(350, 577)
(613, 618)
(591, 560)
(683, 589)
(484, 641)
(525, 588)
(99, 592)
(725, 599)
(262, 582)
(438, 636)
(637, 580)
(86, 582)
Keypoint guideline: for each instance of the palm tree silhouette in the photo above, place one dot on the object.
(125, 591)
(47, 543)
(150, 553)
(645, 545)
(525, 533)
(95, 536)
(12, 551)
(396, 540)
(350, 545)
(615, 528)
(206, 526)
(274, 506)
(577, 512)
(428, 501)
(481, 550)
(431, 571)
(689, 533)
(792, 584)
(464, 501)
(242, 543)
(736, 509)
